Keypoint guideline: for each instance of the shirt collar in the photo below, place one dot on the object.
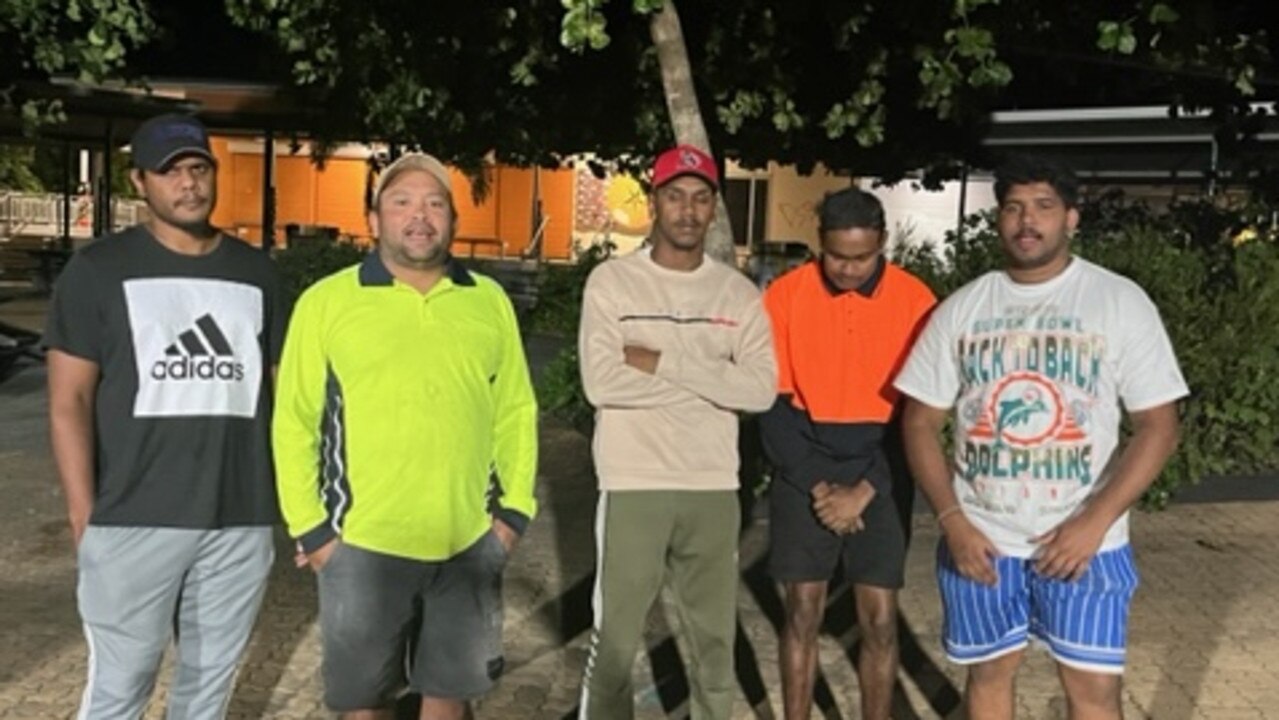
(866, 289)
(373, 272)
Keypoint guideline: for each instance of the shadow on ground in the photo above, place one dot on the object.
(289, 610)
(571, 613)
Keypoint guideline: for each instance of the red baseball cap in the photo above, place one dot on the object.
(684, 160)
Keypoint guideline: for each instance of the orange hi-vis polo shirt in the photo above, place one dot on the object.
(839, 351)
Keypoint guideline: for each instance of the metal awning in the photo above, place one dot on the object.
(105, 117)
(93, 114)
(1140, 145)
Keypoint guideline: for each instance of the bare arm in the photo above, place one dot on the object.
(973, 552)
(73, 382)
(1069, 548)
(921, 431)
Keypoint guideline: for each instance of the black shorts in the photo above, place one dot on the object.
(371, 603)
(801, 549)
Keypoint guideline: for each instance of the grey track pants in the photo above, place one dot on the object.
(139, 586)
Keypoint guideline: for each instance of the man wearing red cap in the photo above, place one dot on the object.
(672, 344)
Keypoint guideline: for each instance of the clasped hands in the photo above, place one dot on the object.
(840, 507)
(1064, 553)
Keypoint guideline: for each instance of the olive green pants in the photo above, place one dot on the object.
(688, 539)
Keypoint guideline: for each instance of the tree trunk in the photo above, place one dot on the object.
(686, 116)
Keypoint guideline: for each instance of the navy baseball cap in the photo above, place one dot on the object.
(164, 138)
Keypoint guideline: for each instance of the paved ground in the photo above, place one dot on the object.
(1202, 643)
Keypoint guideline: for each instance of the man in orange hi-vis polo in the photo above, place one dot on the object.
(843, 326)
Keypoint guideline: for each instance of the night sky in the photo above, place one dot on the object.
(198, 41)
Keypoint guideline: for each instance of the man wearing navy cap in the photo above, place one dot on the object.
(162, 339)
(672, 344)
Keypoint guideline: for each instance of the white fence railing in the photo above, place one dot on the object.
(41, 215)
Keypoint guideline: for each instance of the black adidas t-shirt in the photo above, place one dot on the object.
(185, 346)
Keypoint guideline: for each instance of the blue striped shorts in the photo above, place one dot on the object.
(1084, 623)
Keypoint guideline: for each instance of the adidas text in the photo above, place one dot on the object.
(207, 368)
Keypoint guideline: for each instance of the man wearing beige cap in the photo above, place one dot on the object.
(673, 344)
(405, 441)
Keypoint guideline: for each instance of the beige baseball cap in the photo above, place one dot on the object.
(409, 162)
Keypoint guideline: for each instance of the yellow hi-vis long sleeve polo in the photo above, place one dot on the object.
(403, 421)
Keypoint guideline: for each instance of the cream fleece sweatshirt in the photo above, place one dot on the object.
(675, 429)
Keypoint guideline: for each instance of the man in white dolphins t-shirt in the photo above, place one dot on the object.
(1035, 362)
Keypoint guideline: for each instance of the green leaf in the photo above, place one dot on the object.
(974, 42)
(1127, 43)
(870, 92)
(870, 135)
(1000, 74)
(1115, 36)
(1244, 81)
(1107, 35)
(1161, 14)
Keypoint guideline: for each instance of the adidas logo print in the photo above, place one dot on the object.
(200, 353)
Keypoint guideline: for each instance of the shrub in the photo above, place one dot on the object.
(963, 256)
(558, 312)
(559, 391)
(304, 263)
(559, 293)
(1222, 312)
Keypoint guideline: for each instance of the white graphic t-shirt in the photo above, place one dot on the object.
(1036, 374)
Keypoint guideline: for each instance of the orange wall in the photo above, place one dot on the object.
(295, 196)
(340, 196)
(515, 208)
(246, 197)
(506, 213)
(222, 212)
(304, 194)
(474, 220)
(334, 196)
(557, 205)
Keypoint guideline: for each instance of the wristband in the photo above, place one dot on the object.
(941, 516)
